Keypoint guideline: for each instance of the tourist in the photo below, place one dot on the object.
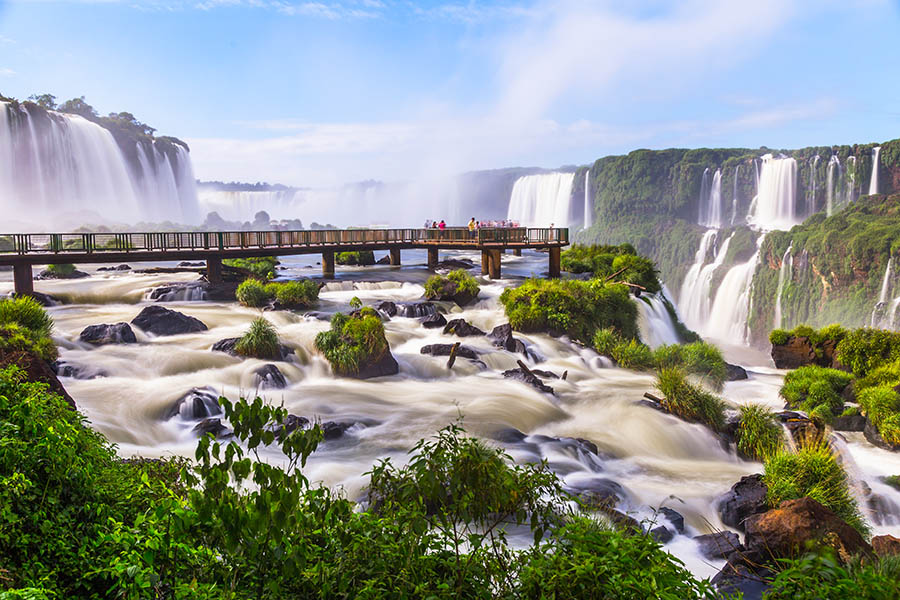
(472, 226)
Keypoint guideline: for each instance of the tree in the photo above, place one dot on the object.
(47, 101)
(78, 106)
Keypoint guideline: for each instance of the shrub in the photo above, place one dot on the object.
(15, 338)
(888, 375)
(252, 293)
(759, 434)
(261, 267)
(27, 312)
(574, 308)
(632, 354)
(689, 401)
(458, 282)
(353, 340)
(821, 576)
(779, 337)
(811, 386)
(605, 340)
(882, 407)
(64, 269)
(356, 257)
(821, 414)
(864, 350)
(813, 471)
(606, 261)
(260, 341)
(294, 294)
(669, 356)
(705, 360)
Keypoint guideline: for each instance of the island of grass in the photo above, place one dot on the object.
(362, 258)
(457, 286)
(261, 267)
(301, 294)
(355, 345)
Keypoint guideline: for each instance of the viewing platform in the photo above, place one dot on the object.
(24, 250)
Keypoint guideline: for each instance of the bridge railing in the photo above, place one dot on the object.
(81, 243)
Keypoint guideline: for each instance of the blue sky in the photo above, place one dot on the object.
(321, 93)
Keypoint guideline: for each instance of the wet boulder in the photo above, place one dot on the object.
(735, 372)
(115, 333)
(228, 347)
(214, 427)
(434, 321)
(192, 291)
(445, 349)
(160, 320)
(50, 274)
(462, 328)
(269, 376)
(662, 534)
(387, 307)
(197, 403)
(502, 337)
(64, 368)
(415, 310)
(745, 498)
(674, 517)
(332, 430)
(529, 378)
(872, 434)
(45, 299)
(598, 492)
(849, 423)
(796, 352)
(886, 545)
(718, 545)
(116, 268)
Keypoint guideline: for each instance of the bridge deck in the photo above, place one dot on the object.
(23, 250)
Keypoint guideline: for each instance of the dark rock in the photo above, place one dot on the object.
(796, 352)
(545, 374)
(674, 517)
(186, 263)
(848, 394)
(528, 378)
(886, 545)
(788, 415)
(332, 430)
(462, 328)
(227, 346)
(384, 366)
(415, 310)
(874, 437)
(384, 260)
(455, 263)
(735, 372)
(718, 545)
(193, 291)
(450, 292)
(214, 427)
(117, 333)
(48, 274)
(598, 492)
(784, 531)
(389, 308)
(67, 369)
(433, 321)
(269, 376)
(745, 498)
(622, 521)
(652, 404)
(662, 534)
(509, 435)
(46, 299)
(502, 337)
(444, 350)
(738, 580)
(116, 268)
(849, 423)
(198, 403)
(160, 320)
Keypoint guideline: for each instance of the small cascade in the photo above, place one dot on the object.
(775, 205)
(655, 322)
(834, 168)
(711, 200)
(784, 275)
(539, 200)
(694, 299)
(588, 208)
(811, 188)
(734, 194)
(873, 181)
(850, 181)
(880, 318)
(728, 317)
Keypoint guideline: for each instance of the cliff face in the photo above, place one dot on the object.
(653, 200)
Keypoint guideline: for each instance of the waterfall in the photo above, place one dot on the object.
(784, 275)
(834, 163)
(588, 208)
(655, 322)
(850, 181)
(539, 200)
(776, 199)
(873, 181)
(879, 318)
(728, 317)
(694, 298)
(58, 169)
(711, 200)
(734, 194)
(811, 188)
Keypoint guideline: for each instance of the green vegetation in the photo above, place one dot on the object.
(290, 294)
(570, 307)
(864, 350)
(808, 388)
(260, 341)
(759, 434)
(831, 335)
(356, 257)
(620, 263)
(61, 270)
(261, 267)
(822, 576)
(353, 341)
(689, 401)
(26, 327)
(893, 481)
(813, 471)
(882, 407)
(457, 284)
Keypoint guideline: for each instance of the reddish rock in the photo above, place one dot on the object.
(886, 545)
(787, 530)
(797, 352)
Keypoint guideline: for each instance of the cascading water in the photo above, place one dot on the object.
(811, 188)
(873, 181)
(588, 208)
(58, 169)
(834, 164)
(654, 320)
(734, 194)
(850, 181)
(539, 200)
(711, 200)
(694, 298)
(882, 314)
(728, 317)
(776, 206)
(784, 275)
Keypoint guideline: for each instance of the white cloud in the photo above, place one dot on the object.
(4, 72)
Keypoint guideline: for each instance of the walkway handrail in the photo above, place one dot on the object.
(89, 243)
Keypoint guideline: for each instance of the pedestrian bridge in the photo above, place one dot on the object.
(24, 250)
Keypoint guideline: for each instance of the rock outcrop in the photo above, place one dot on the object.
(160, 320)
(116, 333)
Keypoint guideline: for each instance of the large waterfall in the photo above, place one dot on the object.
(58, 169)
(834, 167)
(784, 276)
(728, 317)
(588, 207)
(711, 200)
(539, 200)
(694, 300)
(883, 313)
(811, 187)
(873, 181)
(776, 205)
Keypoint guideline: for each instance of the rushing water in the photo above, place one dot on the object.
(539, 200)
(695, 299)
(776, 204)
(784, 276)
(711, 200)
(873, 181)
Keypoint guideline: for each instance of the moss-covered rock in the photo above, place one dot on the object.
(357, 257)
(458, 286)
(356, 346)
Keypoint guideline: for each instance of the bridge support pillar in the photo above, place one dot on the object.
(554, 261)
(328, 264)
(494, 264)
(395, 257)
(485, 262)
(23, 279)
(214, 269)
(432, 258)
(517, 252)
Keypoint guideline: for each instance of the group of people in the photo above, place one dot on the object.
(473, 225)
